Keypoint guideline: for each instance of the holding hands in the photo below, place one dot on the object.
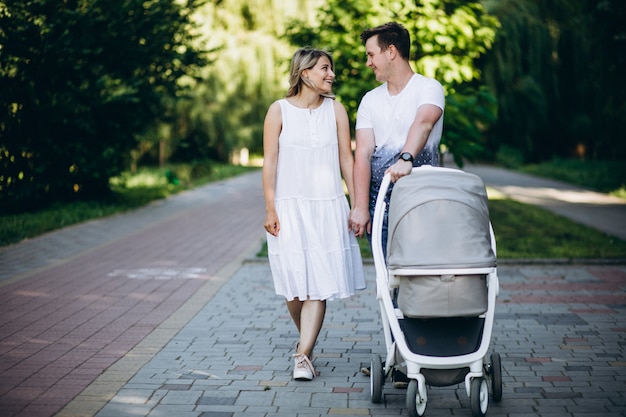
(359, 222)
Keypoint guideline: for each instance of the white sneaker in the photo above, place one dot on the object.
(303, 368)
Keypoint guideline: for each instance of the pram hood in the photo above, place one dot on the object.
(439, 218)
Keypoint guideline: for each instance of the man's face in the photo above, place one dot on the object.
(377, 59)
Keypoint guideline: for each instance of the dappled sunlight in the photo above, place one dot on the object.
(620, 193)
(552, 196)
(494, 194)
(146, 179)
(161, 273)
(33, 294)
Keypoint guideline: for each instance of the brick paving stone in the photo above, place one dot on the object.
(238, 348)
(75, 302)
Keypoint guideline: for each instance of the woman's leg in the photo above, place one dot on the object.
(311, 320)
(308, 316)
(295, 310)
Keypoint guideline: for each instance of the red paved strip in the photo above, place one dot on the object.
(567, 299)
(569, 287)
(616, 276)
(61, 327)
(605, 286)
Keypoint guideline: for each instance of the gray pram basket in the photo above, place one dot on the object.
(440, 220)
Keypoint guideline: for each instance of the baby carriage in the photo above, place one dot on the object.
(441, 264)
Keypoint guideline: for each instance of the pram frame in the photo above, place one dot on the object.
(399, 355)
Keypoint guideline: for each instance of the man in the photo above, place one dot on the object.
(399, 126)
(399, 123)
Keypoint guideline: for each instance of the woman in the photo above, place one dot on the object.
(313, 254)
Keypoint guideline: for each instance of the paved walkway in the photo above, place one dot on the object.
(163, 312)
(560, 331)
(111, 292)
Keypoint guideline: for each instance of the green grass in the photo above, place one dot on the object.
(604, 176)
(524, 231)
(130, 191)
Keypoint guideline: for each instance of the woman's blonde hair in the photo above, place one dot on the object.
(303, 59)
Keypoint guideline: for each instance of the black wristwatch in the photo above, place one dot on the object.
(406, 156)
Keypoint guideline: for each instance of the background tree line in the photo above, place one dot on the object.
(90, 88)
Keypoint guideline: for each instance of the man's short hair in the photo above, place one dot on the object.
(390, 33)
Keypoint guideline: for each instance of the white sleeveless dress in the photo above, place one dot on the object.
(314, 256)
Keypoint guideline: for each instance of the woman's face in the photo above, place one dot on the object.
(321, 75)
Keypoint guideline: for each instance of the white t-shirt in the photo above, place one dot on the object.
(392, 116)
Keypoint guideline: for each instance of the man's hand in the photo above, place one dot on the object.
(399, 170)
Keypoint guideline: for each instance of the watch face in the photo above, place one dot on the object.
(406, 156)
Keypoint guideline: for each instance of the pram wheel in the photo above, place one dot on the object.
(479, 397)
(377, 379)
(415, 400)
(496, 377)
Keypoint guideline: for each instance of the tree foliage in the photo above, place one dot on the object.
(557, 68)
(448, 36)
(227, 106)
(80, 79)
(91, 88)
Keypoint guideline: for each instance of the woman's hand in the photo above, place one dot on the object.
(272, 224)
(359, 222)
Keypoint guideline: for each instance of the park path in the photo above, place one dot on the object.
(75, 301)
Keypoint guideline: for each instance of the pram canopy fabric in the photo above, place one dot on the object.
(439, 218)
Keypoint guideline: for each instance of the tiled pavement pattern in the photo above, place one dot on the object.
(75, 302)
(560, 331)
